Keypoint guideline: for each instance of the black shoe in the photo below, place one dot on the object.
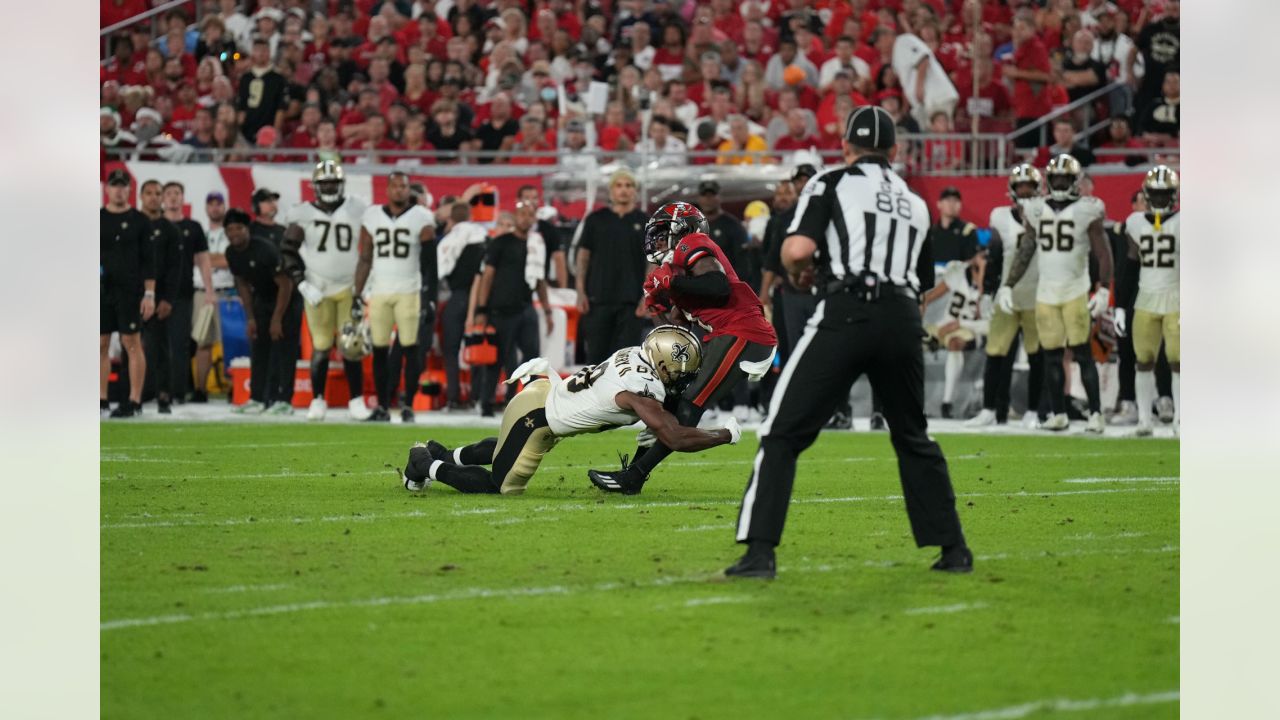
(877, 422)
(406, 415)
(415, 475)
(379, 414)
(164, 407)
(841, 420)
(199, 397)
(438, 451)
(127, 409)
(946, 411)
(628, 480)
(956, 560)
(455, 405)
(754, 564)
(486, 410)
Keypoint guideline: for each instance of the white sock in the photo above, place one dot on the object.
(435, 465)
(457, 456)
(1144, 388)
(955, 366)
(1177, 397)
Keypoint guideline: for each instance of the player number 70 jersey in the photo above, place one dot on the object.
(330, 245)
(586, 402)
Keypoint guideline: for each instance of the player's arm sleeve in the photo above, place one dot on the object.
(813, 213)
(995, 264)
(704, 279)
(427, 266)
(773, 247)
(291, 255)
(924, 265)
(1127, 275)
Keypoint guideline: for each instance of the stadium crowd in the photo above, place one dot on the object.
(707, 82)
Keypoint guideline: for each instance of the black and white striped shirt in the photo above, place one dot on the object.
(864, 218)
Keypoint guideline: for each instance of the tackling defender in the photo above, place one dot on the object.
(951, 317)
(696, 284)
(391, 241)
(1007, 231)
(1155, 239)
(320, 239)
(1064, 227)
(627, 387)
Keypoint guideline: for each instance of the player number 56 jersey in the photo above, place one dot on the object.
(586, 402)
(397, 248)
(1159, 252)
(330, 245)
(1062, 244)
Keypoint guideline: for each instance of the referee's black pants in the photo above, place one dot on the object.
(844, 339)
(516, 334)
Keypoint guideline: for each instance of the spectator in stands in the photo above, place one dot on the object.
(498, 131)
(216, 43)
(1064, 142)
(892, 102)
(613, 132)
(112, 136)
(669, 58)
(924, 82)
(124, 66)
(755, 45)
(1081, 73)
(1158, 123)
(376, 147)
(415, 141)
(990, 102)
(1112, 48)
(1029, 68)
(743, 147)
(532, 139)
(1160, 46)
(775, 69)
(610, 273)
(1120, 137)
(327, 141)
(446, 133)
(227, 137)
(844, 59)
(798, 136)
(266, 25)
(239, 27)
(685, 110)
(943, 154)
(880, 51)
(788, 100)
(262, 97)
(661, 149)
(841, 85)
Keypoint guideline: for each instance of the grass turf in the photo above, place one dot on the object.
(281, 571)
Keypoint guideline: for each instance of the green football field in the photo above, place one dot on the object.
(280, 570)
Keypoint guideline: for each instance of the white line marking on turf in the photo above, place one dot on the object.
(248, 588)
(717, 600)
(701, 528)
(567, 507)
(1014, 712)
(1089, 480)
(1091, 536)
(944, 609)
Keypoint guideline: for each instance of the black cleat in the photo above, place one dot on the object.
(406, 415)
(415, 475)
(199, 397)
(946, 411)
(956, 560)
(379, 414)
(754, 564)
(127, 409)
(164, 407)
(840, 420)
(438, 451)
(627, 480)
(877, 422)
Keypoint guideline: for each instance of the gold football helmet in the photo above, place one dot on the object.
(355, 340)
(1160, 188)
(1062, 177)
(1024, 182)
(328, 181)
(674, 352)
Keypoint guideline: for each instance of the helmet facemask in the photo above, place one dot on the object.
(1063, 186)
(330, 190)
(659, 238)
(1160, 200)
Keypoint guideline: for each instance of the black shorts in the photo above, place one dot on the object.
(720, 372)
(120, 315)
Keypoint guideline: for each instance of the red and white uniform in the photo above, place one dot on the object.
(741, 316)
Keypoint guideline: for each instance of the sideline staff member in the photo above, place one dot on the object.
(128, 289)
(860, 234)
(610, 272)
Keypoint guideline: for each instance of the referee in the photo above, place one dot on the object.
(859, 236)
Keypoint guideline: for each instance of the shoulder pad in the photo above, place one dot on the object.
(691, 249)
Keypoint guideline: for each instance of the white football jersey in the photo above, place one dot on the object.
(1011, 230)
(1159, 252)
(961, 300)
(586, 401)
(1062, 244)
(397, 248)
(330, 244)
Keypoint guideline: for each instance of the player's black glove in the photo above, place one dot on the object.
(357, 309)
(428, 313)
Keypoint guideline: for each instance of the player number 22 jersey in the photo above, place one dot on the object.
(330, 245)
(397, 248)
(1159, 252)
(586, 401)
(1062, 237)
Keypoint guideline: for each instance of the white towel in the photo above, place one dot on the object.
(450, 247)
(535, 260)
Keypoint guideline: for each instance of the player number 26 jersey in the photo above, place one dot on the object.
(397, 248)
(1159, 252)
(586, 402)
(1062, 237)
(331, 243)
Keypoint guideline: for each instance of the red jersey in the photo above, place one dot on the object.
(740, 316)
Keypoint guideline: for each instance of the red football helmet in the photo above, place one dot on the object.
(670, 223)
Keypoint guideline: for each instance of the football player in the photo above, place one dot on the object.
(951, 319)
(695, 284)
(1006, 232)
(321, 237)
(391, 240)
(629, 386)
(1155, 242)
(1064, 228)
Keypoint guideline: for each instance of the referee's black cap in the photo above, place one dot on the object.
(870, 127)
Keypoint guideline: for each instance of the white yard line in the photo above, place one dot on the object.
(248, 588)
(944, 609)
(571, 507)
(1094, 480)
(1013, 712)
(475, 593)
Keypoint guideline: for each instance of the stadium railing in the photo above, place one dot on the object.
(155, 14)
